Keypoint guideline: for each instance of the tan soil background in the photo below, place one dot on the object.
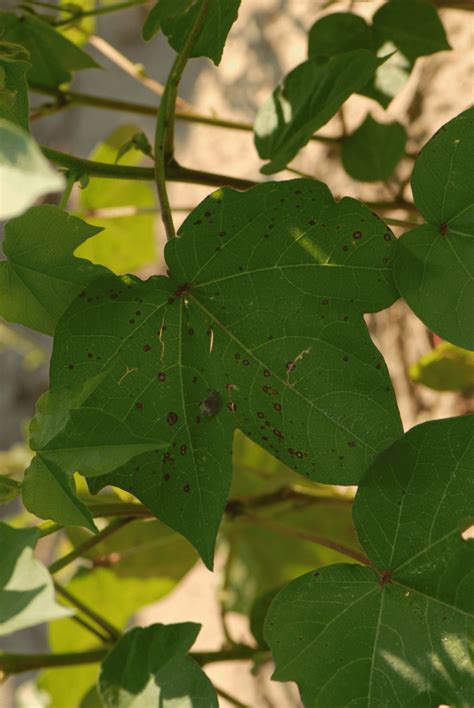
(268, 40)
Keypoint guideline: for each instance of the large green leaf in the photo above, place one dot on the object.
(26, 588)
(52, 56)
(412, 25)
(126, 242)
(149, 666)
(13, 88)
(130, 592)
(259, 327)
(41, 276)
(25, 175)
(309, 96)
(374, 150)
(445, 368)
(434, 267)
(177, 17)
(398, 634)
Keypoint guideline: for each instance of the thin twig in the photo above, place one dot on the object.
(174, 172)
(164, 133)
(77, 15)
(230, 699)
(307, 536)
(112, 632)
(133, 70)
(79, 550)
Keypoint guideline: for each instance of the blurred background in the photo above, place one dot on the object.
(431, 379)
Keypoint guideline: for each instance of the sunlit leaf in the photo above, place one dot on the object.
(127, 242)
(398, 634)
(445, 368)
(26, 588)
(25, 175)
(149, 667)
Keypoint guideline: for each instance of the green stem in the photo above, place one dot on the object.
(164, 133)
(70, 180)
(83, 623)
(306, 536)
(112, 632)
(230, 699)
(101, 10)
(17, 663)
(47, 528)
(66, 98)
(401, 222)
(174, 173)
(88, 544)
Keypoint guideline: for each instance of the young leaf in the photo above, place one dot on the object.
(9, 489)
(344, 32)
(412, 25)
(445, 368)
(52, 56)
(373, 151)
(49, 493)
(434, 262)
(26, 588)
(25, 175)
(176, 18)
(149, 666)
(399, 636)
(13, 88)
(126, 242)
(41, 276)
(309, 96)
(259, 327)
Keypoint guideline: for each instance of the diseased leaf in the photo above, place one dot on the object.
(41, 276)
(434, 266)
(399, 636)
(26, 587)
(25, 175)
(309, 96)
(96, 587)
(374, 150)
(148, 666)
(13, 87)
(176, 19)
(258, 327)
(126, 242)
(52, 56)
(445, 368)
(412, 25)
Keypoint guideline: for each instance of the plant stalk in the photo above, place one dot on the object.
(307, 536)
(174, 172)
(164, 132)
(112, 632)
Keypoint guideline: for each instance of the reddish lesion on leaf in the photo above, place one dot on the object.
(385, 577)
(443, 229)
